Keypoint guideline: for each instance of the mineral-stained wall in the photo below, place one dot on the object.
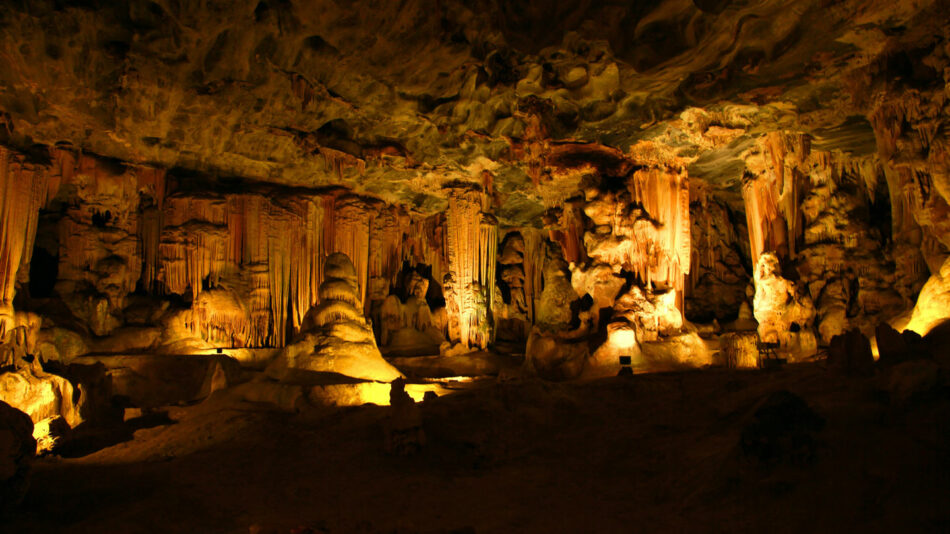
(24, 190)
(817, 212)
(718, 276)
(618, 179)
(472, 244)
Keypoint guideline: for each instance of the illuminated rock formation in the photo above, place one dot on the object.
(407, 328)
(472, 244)
(933, 304)
(600, 282)
(715, 286)
(556, 349)
(336, 338)
(741, 350)
(511, 305)
(45, 397)
(643, 228)
(784, 312)
(185, 198)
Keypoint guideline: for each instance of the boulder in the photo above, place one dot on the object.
(895, 347)
(554, 358)
(45, 398)
(850, 354)
(17, 449)
(933, 302)
(155, 380)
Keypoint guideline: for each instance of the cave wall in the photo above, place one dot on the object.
(604, 183)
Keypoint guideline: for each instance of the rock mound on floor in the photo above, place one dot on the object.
(17, 448)
(339, 339)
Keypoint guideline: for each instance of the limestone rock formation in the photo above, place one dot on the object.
(408, 328)
(44, 397)
(556, 348)
(933, 304)
(651, 314)
(741, 350)
(337, 338)
(784, 311)
(172, 180)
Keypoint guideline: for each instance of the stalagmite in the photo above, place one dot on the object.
(336, 337)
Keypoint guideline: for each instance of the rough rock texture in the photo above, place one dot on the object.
(337, 338)
(45, 398)
(850, 354)
(17, 448)
(741, 350)
(557, 347)
(715, 287)
(784, 311)
(933, 304)
(174, 174)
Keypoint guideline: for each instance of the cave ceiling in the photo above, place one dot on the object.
(398, 99)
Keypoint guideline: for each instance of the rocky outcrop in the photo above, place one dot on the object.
(408, 328)
(46, 398)
(556, 348)
(17, 449)
(784, 311)
(933, 304)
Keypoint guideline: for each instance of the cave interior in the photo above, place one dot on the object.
(301, 266)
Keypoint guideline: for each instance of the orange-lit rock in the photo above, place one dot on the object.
(44, 397)
(337, 338)
(784, 312)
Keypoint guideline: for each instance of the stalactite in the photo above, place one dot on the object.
(23, 191)
(388, 245)
(426, 244)
(302, 89)
(472, 242)
(569, 232)
(221, 317)
(307, 255)
(351, 225)
(664, 195)
(194, 242)
(533, 270)
(151, 182)
(766, 225)
(337, 161)
(280, 225)
(150, 231)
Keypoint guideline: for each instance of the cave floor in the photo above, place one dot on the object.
(650, 453)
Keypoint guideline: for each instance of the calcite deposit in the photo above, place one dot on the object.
(295, 203)
(336, 336)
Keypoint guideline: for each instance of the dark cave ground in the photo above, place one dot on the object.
(702, 451)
